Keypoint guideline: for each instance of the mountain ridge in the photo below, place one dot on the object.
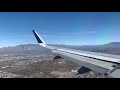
(112, 48)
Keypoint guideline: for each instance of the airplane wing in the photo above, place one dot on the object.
(98, 62)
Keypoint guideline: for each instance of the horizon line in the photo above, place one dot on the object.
(56, 44)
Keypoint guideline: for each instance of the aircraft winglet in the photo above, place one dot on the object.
(39, 39)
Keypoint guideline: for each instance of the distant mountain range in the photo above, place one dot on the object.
(23, 48)
(112, 48)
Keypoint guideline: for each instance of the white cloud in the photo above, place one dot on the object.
(69, 33)
(91, 32)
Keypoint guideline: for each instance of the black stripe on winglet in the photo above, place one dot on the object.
(38, 39)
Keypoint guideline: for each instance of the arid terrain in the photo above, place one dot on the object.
(32, 61)
(39, 66)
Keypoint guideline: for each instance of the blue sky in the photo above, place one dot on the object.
(74, 28)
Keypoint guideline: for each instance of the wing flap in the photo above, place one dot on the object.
(95, 65)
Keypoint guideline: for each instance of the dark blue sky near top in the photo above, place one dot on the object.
(70, 28)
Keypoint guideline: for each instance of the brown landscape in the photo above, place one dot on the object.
(32, 61)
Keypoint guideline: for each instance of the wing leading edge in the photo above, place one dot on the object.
(101, 63)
